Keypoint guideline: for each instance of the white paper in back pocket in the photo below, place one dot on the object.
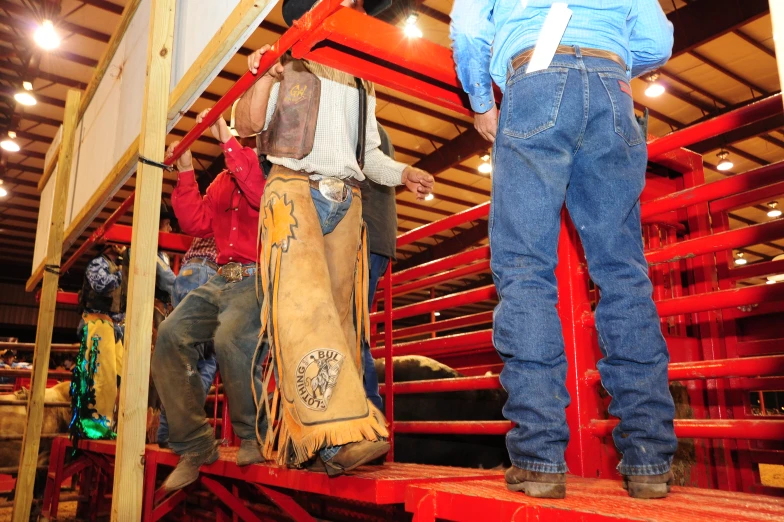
(550, 37)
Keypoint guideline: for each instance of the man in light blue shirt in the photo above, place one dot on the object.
(567, 134)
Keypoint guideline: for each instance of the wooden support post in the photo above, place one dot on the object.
(43, 337)
(132, 413)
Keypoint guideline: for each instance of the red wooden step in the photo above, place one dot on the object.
(587, 500)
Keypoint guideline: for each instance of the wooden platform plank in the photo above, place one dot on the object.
(587, 500)
(373, 484)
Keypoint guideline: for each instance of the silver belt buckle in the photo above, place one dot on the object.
(333, 189)
(232, 272)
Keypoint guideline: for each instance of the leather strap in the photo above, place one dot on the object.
(524, 57)
(361, 125)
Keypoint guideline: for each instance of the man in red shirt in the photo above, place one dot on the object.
(224, 310)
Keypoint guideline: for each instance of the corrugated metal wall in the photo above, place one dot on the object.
(20, 308)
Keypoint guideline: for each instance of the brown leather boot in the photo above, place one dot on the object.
(648, 486)
(536, 484)
(351, 456)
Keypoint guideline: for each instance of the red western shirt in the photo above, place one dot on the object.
(229, 211)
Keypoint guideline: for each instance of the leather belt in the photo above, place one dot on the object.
(202, 261)
(524, 57)
(234, 272)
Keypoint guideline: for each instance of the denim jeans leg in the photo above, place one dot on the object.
(539, 129)
(378, 267)
(235, 344)
(603, 200)
(207, 369)
(163, 427)
(174, 368)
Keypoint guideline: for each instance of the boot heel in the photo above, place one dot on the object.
(539, 489)
(647, 491)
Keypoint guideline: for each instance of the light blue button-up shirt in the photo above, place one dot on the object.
(486, 34)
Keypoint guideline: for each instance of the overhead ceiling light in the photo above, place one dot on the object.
(778, 278)
(3, 192)
(429, 197)
(46, 37)
(25, 98)
(654, 89)
(724, 162)
(774, 211)
(410, 29)
(28, 86)
(485, 167)
(739, 259)
(437, 314)
(770, 282)
(9, 144)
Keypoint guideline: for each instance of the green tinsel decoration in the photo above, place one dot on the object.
(85, 422)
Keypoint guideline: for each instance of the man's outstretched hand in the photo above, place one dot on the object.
(219, 129)
(418, 181)
(254, 59)
(185, 162)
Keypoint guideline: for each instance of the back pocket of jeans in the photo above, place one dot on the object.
(620, 94)
(532, 102)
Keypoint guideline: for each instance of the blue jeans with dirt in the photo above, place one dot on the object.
(568, 134)
(193, 274)
(378, 267)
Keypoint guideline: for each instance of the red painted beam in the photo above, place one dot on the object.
(757, 270)
(476, 295)
(179, 243)
(472, 342)
(69, 298)
(749, 198)
(442, 277)
(753, 179)
(446, 263)
(720, 368)
(747, 236)
(461, 218)
(439, 326)
(719, 125)
(684, 428)
(489, 382)
(751, 429)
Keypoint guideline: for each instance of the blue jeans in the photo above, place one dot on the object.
(569, 134)
(330, 213)
(378, 267)
(192, 275)
(227, 313)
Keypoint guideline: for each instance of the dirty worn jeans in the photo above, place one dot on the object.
(229, 314)
(569, 134)
(193, 274)
(378, 267)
